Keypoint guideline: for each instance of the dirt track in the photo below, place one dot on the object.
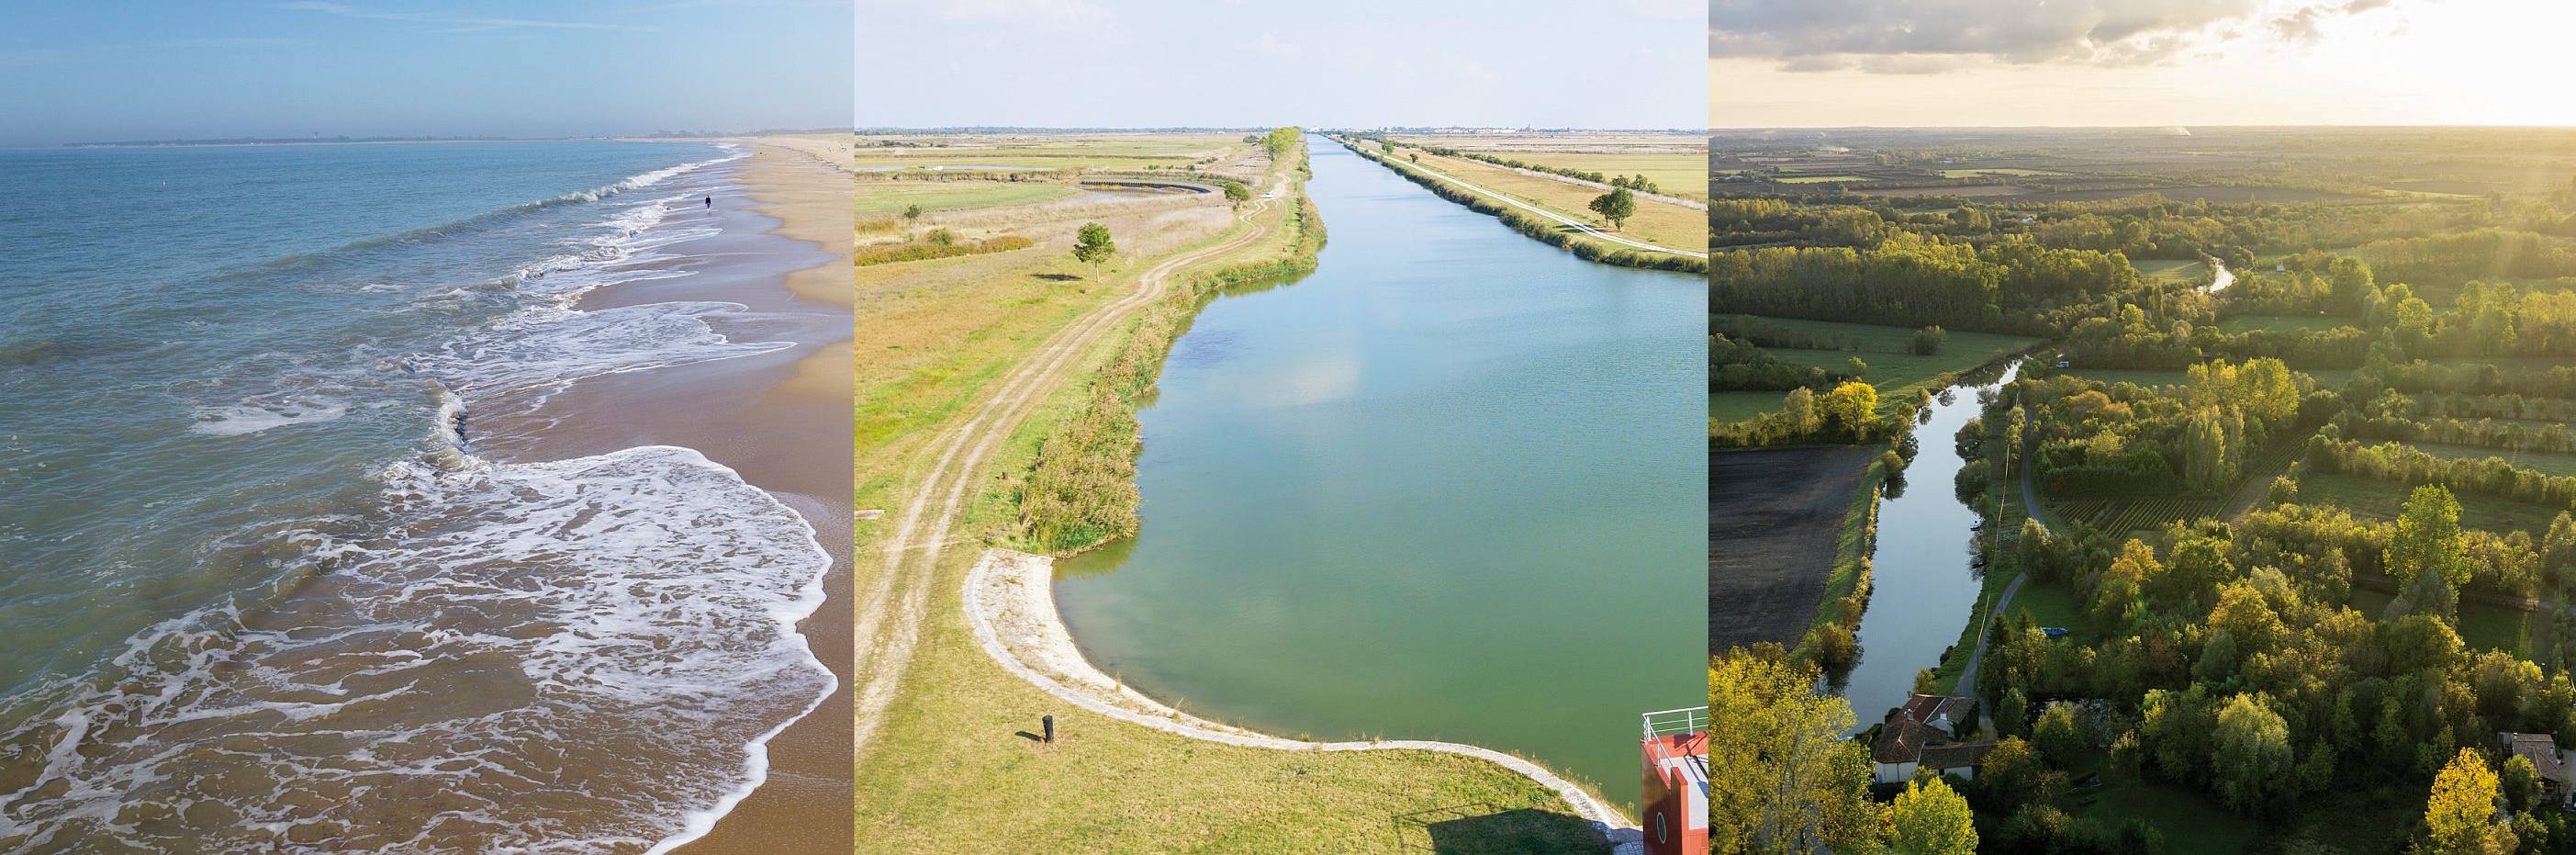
(889, 616)
(1773, 518)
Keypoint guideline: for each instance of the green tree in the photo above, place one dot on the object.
(1092, 245)
(1235, 191)
(2460, 816)
(2428, 538)
(1781, 776)
(1615, 206)
(2251, 760)
(2059, 735)
(912, 213)
(1799, 411)
(1929, 818)
(2521, 782)
(1387, 146)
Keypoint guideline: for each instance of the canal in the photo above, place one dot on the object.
(1448, 486)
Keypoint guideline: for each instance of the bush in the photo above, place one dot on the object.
(1927, 341)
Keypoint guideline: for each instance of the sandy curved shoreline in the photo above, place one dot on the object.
(1010, 605)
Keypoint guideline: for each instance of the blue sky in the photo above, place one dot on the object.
(228, 68)
(1146, 63)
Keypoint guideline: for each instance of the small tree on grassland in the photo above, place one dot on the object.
(1092, 246)
(1615, 206)
(912, 214)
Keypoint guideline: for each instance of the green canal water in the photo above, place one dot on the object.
(1448, 486)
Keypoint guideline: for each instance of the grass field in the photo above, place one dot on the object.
(1994, 172)
(2554, 464)
(1658, 223)
(945, 773)
(1895, 371)
(1090, 151)
(1675, 173)
(1677, 163)
(2172, 269)
(1738, 406)
(892, 197)
(2282, 323)
(1892, 368)
(2483, 626)
(2381, 500)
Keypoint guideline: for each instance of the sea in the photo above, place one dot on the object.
(272, 575)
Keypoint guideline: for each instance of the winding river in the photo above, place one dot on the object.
(1924, 584)
(1449, 486)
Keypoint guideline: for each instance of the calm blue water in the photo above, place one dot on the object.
(254, 581)
(1449, 486)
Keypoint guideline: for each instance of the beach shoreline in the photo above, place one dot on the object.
(778, 420)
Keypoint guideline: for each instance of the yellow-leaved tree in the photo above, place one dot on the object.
(2461, 815)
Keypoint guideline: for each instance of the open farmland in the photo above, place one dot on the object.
(1676, 162)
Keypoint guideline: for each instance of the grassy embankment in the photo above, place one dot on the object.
(1672, 225)
(947, 772)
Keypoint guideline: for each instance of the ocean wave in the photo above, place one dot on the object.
(544, 349)
(467, 673)
(252, 417)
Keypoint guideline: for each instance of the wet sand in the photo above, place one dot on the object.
(782, 421)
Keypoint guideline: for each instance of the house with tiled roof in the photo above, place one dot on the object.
(1921, 736)
(2542, 750)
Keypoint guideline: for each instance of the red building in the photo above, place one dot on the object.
(1675, 759)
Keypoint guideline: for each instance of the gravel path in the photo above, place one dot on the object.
(1010, 601)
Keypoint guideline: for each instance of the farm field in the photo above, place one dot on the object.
(1658, 223)
(884, 152)
(883, 198)
(1738, 406)
(1892, 368)
(2126, 517)
(2172, 269)
(2372, 498)
(1822, 179)
(1677, 163)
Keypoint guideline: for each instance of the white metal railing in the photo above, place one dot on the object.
(1674, 722)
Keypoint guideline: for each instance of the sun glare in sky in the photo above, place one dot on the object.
(2139, 62)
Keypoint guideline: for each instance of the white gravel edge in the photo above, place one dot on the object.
(1010, 603)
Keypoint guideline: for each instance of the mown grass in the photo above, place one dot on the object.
(2382, 500)
(892, 197)
(2482, 625)
(2172, 269)
(947, 772)
(1675, 173)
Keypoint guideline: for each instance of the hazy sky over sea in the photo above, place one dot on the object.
(1159, 63)
(1825, 63)
(270, 68)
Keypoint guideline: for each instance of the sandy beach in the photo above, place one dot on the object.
(780, 420)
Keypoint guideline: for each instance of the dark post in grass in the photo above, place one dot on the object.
(1047, 723)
